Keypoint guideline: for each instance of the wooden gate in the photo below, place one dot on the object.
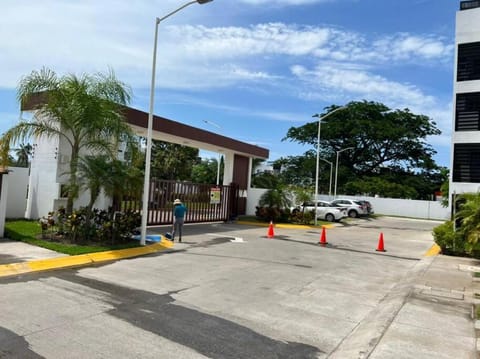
(204, 202)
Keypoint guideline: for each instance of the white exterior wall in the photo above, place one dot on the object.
(405, 207)
(17, 192)
(467, 30)
(228, 162)
(3, 203)
(383, 206)
(43, 185)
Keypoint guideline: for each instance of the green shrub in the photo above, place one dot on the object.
(96, 226)
(274, 214)
(451, 242)
(302, 217)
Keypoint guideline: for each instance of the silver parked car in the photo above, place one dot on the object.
(354, 208)
(325, 211)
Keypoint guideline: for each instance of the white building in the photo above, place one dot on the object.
(51, 157)
(465, 155)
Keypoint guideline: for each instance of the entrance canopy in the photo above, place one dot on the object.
(175, 132)
(179, 133)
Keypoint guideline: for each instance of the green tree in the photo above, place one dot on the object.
(206, 171)
(173, 162)
(23, 153)
(94, 172)
(115, 177)
(84, 111)
(381, 139)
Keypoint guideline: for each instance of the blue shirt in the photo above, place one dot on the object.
(179, 211)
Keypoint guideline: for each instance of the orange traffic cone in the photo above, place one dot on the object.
(323, 237)
(270, 233)
(380, 247)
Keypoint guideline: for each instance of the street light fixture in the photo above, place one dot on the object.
(148, 155)
(331, 175)
(219, 154)
(336, 169)
(320, 118)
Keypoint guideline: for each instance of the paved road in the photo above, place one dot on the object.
(229, 292)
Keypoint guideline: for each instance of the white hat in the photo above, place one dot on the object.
(177, 201)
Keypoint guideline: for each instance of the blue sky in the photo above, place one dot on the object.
(253, 67)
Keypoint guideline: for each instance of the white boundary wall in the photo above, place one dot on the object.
(3, 203)
(17, 192)
(385, 206)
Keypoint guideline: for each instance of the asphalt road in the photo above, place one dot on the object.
(226, 292)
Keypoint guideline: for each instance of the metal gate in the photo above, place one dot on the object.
(204, 202)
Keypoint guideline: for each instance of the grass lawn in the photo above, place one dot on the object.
(29, 231)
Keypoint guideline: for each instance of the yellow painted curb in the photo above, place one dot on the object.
(79, 260)
(13, 269)
(284, 225)
(60, 262)
(433, 251)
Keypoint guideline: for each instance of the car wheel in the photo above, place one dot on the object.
(330, 217)
(352, 213)
(295, 211)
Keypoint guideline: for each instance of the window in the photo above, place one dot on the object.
(466, 162)
(471, 4)
(63, 190)
(468, 64)
(467, 112)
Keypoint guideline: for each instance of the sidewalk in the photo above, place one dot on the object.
(20, 258)
(437, 318)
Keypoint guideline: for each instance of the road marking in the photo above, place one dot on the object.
(234, 240)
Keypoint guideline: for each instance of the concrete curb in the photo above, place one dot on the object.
(41, 265)
(284, 225)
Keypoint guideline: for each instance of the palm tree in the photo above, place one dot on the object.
(93, 173)
(469, 217)
(84, 111)
(23, 153)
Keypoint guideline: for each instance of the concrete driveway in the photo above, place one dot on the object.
(228, 291)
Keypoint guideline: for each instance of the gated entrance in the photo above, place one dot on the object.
(204, 202)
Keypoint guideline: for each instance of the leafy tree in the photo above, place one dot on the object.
(206, 171)
(85, 111)
(265, 180)
(173, 162)
(387, 143)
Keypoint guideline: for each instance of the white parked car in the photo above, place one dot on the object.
(353, 207)
(325, 211)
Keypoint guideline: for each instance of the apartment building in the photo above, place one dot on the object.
(465, 159)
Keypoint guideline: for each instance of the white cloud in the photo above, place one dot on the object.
(404, 46)
(354, 82)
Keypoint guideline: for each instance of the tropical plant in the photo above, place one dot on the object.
(23, 153)
(469, 217)
(84, 111)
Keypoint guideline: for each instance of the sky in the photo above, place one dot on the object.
(247, 69)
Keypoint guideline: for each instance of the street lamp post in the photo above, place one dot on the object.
(331, 175)
(320, 118)
(148, 155)
(219, 154)
(336, 169)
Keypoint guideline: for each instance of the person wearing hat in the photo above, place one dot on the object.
(178, 218)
